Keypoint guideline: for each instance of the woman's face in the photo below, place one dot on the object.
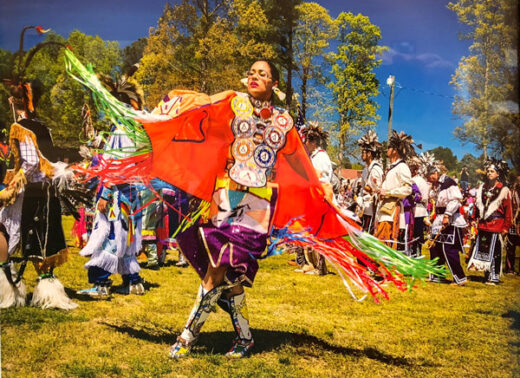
(260, 81)
(492, 174)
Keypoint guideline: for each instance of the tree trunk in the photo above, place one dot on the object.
(288, 98)
(304, 95)
(485, 137)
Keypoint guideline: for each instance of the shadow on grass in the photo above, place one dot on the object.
(86, 298)
(34, 318)
(150, 335)
(269, 340)
(149, 285)
(174, 263)
(72, 294)
(515, 315)
(474, 278)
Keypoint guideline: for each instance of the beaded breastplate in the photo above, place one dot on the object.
(260, 132)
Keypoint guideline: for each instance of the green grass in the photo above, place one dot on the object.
(303, 326)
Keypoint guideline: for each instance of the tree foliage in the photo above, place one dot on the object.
(354, 85)
(445, 154)
(473, 164)
(313, 31)
(6, 116)
(61, 104)
(283, 16)
(205, 46)
(487, 79)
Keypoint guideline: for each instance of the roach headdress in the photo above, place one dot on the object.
(428, 164)
(369, 142)
(500, 166)
(403, 143)
(315, 133)
(123, 89)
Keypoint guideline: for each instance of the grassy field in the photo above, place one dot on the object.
(303, 326)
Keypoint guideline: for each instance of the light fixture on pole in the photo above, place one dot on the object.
(390, 82)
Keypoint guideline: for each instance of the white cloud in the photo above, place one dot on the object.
(428, 60)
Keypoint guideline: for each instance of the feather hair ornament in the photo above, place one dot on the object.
(428, 163)
(500, 166)
(279, 93)
(403, 143)
(314, 132)
(370, 142)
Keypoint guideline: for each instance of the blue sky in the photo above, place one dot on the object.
(422, 36)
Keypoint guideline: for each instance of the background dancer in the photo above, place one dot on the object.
(116, 236)
(513, 236)
(371, 178)
(494, 214)
(34, 214)
(315, 142)
(396, 185)
(447, 229)
(420, 210)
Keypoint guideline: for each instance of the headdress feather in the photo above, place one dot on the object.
(500, 166)
(370, 142)
(403, 143)
(314, 132)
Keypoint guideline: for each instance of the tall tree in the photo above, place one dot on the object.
(473, 164)
(252, 30)
(355, 85)
(6, 115)
(203, 46)
(283, 17)
(313, 31)
(63, 98)
(133, 53)
(446, 155)
(487, 79)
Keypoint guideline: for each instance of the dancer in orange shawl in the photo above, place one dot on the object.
(244, 159)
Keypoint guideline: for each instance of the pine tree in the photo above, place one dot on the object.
(283, 17)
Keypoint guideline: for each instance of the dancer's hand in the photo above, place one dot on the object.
(102, 205)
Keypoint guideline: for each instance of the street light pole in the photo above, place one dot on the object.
(391, 82)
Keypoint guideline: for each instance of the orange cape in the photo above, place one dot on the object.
(191, 150)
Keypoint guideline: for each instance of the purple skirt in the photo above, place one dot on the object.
(236, 234)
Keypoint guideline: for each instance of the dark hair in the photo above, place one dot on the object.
(275, 74)
(315, 133)
(376, 154)
(26, 94)
(37, 91)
